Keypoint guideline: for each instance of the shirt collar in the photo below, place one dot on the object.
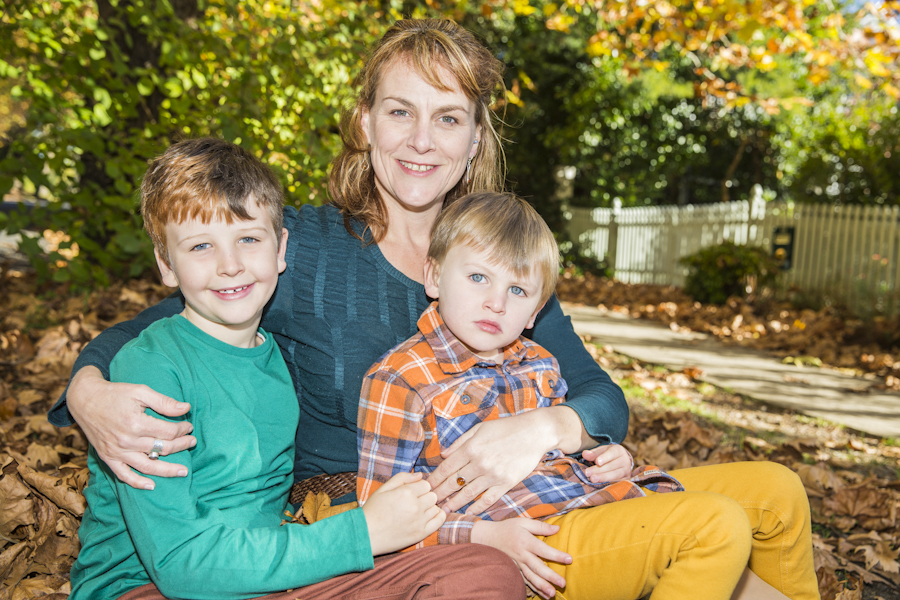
(453, 356)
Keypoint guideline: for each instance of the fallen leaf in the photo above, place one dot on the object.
(318, 507)
(55, 490)
(16, 508)
(881, 555)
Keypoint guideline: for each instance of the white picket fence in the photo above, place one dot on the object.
(848, 254)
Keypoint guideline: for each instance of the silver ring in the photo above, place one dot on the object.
(461, 481)
(157, 448)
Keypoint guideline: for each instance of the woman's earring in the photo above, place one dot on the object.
(468, 168)
(365, 166)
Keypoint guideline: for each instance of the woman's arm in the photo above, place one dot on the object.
(497, 455)
(112, 414)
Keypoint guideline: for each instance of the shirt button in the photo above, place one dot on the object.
(465, 399)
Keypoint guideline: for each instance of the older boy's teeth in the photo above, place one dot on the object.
(415, 167)
(234, 290)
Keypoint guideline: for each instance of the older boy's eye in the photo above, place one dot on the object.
(248, 240)
(477, 277)
(516, 290)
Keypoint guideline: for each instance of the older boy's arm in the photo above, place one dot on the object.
(190, 550)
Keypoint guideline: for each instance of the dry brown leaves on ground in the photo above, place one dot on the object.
(823, 337)
(44, 468)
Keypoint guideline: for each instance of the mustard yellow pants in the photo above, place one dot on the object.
(693, 544)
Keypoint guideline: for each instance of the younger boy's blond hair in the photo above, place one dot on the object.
(207, 179)
(503, 225)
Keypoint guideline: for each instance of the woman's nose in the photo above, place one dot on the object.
(422, 136)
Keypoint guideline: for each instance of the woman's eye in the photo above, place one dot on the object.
(517, 291)
(400, 112)
(202, 246)
(448, 119)
(477, 277)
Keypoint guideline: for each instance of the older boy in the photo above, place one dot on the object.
(492, 265)
(214, 213)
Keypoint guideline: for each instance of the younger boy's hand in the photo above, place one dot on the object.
(611, 463)
(516, 538)
(401, 513)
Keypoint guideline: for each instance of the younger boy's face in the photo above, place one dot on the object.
(227, 273)
(484, 304)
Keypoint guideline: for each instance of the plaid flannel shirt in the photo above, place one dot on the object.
(427, 391)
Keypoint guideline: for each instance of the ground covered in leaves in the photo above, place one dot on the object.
(851, 480)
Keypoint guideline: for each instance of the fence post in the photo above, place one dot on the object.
(613, 244)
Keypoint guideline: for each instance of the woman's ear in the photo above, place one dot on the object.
(364, 122)
(432, 278)
(476, 142)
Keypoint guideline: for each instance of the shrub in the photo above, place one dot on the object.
(719, 272)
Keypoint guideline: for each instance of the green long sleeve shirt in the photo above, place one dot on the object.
(216, 533)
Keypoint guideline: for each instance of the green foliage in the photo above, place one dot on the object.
(108, 85)
(717, 273)
(843, 150)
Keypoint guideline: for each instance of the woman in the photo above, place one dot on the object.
(419, 136)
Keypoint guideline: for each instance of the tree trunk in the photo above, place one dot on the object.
(732, 168)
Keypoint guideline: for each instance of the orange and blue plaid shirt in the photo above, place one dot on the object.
(427, 391)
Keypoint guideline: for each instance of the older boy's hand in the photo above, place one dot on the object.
(113, 420)
(611, 463)
(516, 538)
(401, 513)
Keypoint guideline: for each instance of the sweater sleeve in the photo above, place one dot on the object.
(598, 401)
(192, 550)
(100, 352)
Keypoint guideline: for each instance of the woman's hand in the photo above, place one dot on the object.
(401, 513)
(113, 419)
(515, 537)
(612, 463)
(494, 456)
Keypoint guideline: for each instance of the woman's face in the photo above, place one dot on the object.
(420, 137)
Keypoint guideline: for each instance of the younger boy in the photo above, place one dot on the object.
(492, 265)
(214, 213)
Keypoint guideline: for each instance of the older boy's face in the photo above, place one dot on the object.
(485, 305)
(227, 273)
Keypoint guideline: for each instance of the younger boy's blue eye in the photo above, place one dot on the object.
(516, 290)
(248, 240)
(476, 277)
(202, 246)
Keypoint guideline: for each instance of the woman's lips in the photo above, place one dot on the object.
(415, 167)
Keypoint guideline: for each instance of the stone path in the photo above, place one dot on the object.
(824, 393)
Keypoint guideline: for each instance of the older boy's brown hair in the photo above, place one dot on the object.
(505, 226)
(207, 179)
